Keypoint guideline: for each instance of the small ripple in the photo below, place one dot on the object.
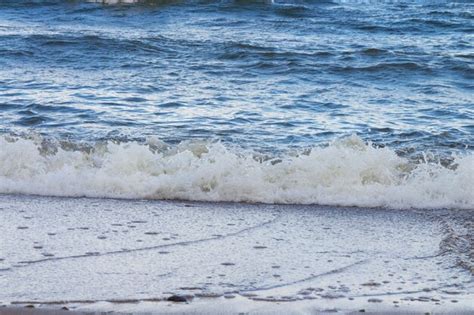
(374, 52)
(32, 108)
(434, 22)
(135, 99)
(8, 106)
(32, 121)
(384, 67)
(293, 11)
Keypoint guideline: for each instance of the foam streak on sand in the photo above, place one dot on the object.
(133, 255)
(348, 172)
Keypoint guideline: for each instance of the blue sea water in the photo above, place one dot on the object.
(255, 81)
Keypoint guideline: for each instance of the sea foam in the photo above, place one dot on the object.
(348, 172)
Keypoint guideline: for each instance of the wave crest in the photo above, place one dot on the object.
(348, 172)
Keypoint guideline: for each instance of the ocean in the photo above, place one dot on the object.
(341, 103)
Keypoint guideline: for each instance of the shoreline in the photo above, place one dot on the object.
(130, 256)
(243, 305)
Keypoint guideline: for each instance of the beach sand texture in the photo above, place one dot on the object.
(132, 256)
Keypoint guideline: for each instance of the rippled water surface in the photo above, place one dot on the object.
(294, 73)
(266, 77)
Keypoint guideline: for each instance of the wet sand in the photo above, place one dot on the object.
(174, 257)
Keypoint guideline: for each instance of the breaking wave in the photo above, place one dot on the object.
(348, 172)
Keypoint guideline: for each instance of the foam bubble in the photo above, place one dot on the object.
(348, 172)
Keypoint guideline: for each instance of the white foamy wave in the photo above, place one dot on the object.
(346, 173)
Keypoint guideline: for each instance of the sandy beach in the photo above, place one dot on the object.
(100, 255)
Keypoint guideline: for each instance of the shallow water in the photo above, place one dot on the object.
(272, 82)
(119, 254)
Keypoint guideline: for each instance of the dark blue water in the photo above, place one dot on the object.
(266, 76)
